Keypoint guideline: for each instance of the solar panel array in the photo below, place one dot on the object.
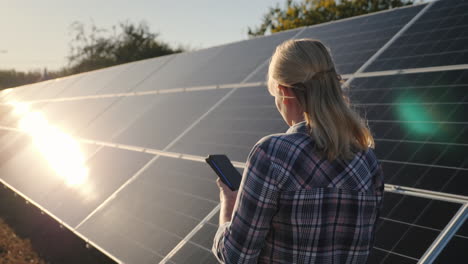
(144, 128)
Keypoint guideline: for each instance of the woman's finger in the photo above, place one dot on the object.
(221, 184)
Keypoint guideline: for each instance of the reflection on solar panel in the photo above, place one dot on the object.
(138, 187)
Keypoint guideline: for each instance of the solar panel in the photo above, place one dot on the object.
(214, 66)
(247, 115)
(353, 41)
(75, 120)
(439, 37)
(456, 248)
(402, 223)
(184, 109)
(117, 117)
(177, 71)
(156, 210)
(94, 81)
(418, 119)
(25, 92)
(53, 88)
(145, 127)
(137, 73)
(198, 248)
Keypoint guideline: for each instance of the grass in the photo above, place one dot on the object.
(16, 250)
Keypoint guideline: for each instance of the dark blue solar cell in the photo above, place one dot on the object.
(420, 119)
(246, 116)
(437, 38)
(352, 42)
(157, 210)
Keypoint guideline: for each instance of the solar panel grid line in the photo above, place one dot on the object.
(423, 164)
(111, 197)
(464, 237)
(58, 220)
(395, 253)
(412, 70)
(149, 74)
(115, 102)
(435, 161)
(118, 132)
(201, 246)
(114, 194)
(141, 245)
(439, 46)
(419, 122)
(23, 90)
(190, 235)
(415, 141)
(119, 70)
(125, 68)
(415, 225)
(198, 227)
(129, 147)
(237, 164)
(453, 110)
(241, 165)
(55, 87)
(389, 42)
(440, 196)
(399, 104)
(191, 195)
(172, 233)
(395, 245)
(249, 85)
(80, 75)
(415, 87)
(151, 92)
(366, 15)
(444, 237)
(441, 53)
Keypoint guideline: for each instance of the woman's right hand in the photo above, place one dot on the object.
(227, 198)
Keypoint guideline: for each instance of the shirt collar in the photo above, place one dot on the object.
(300, 127)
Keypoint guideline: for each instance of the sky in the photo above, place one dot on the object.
(36, 34)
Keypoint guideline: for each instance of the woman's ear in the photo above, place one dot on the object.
(286, 94)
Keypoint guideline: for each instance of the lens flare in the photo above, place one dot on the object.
(61, 150)
(417, 116)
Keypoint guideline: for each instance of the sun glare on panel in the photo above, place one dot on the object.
(61, 150)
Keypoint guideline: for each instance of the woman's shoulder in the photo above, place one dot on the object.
(284, 142)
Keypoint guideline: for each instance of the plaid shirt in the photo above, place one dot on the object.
(295, 207)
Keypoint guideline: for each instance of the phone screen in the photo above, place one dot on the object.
(225, 170)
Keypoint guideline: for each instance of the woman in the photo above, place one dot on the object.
(312, 194)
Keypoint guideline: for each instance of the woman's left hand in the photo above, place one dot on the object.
(227, 199)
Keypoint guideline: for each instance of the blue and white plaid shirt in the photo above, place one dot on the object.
(295, 207)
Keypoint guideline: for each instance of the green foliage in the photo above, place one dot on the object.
(12, 78)
(98, 49)
(310, 12)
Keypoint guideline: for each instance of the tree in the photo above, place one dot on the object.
(311, 12)
(99, 49)
(12, 78)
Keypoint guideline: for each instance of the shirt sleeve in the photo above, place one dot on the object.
(242, 239)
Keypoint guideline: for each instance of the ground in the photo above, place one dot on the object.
(15, 250)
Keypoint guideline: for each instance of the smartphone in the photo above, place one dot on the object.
(225, 170)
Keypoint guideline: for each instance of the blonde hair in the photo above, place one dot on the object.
(306, 66)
